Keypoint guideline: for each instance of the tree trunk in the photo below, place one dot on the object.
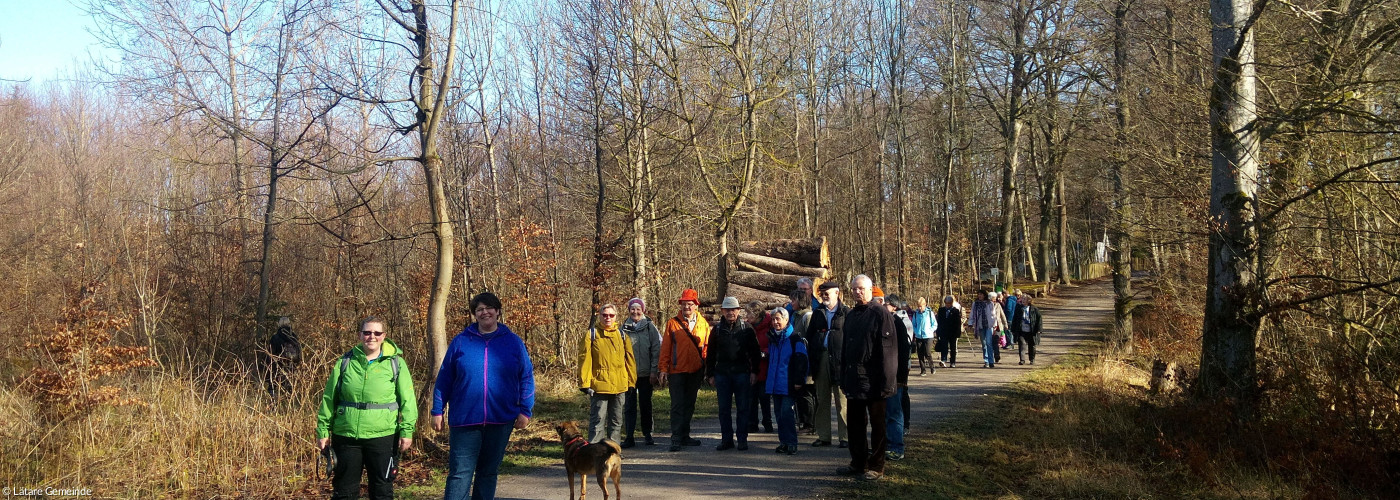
(431, 104)
(1121, 250)
(1230, 330)
(776, 283)
(1026, 238)
(1062, 240)
(780, 266)
(810, 252)
(745, 295)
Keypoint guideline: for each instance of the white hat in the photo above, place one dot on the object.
(730, 303)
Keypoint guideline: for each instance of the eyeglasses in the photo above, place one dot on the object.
(609, 315)
(371, 333)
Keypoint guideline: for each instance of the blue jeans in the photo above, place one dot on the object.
(787, 419)
(733, 390)
(894, 419)
(989, 346)
(476, 451)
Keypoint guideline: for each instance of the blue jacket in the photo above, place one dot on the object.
(924, 323)
(787, 360)
(1010, 307)
(485, 378)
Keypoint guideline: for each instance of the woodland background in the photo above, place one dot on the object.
(318, 159)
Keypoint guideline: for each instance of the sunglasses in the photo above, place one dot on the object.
(609, 315)
(371, 333)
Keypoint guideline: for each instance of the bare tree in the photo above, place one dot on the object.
(1231, 325)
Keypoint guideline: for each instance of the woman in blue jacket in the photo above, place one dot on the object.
(787, 371)
(487, 384)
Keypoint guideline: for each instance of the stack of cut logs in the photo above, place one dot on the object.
(765, 271)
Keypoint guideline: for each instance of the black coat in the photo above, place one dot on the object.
(284, 346)
(1033, 318)
(733, 349)
(818, 332)
(869, 352)
(949, 322)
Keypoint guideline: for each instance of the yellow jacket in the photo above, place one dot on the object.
(605, 362)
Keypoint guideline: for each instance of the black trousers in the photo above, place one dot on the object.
(862, 414)
(925, 357)
(1026, 341)
(758, 400)
(639, 396)
(805, 400)
(904, 404)
(355, 457)
(685, 387)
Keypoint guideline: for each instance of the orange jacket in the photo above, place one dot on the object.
(684, 351)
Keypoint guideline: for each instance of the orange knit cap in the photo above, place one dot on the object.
(877, 292)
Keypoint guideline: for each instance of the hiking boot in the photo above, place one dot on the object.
(691, 442)
(742, 447)
(892, 455)
(650, 442)
(791, 450)
(821, 442)
(725, 446)
(768, 428)
(846, 470)
(675, 447)
(871, 475)
(628, 443)
(782, 448)
(1021, 362)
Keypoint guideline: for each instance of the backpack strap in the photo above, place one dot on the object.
(344, 366)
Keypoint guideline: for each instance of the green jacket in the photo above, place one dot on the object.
(367, 382)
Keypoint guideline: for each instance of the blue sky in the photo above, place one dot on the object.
(41, 39)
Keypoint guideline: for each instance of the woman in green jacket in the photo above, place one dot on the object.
(367, 413)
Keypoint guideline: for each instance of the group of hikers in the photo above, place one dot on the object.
(791, 365)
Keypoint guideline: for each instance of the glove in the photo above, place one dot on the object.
(586, 391)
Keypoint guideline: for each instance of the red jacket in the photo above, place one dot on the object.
(762, 329)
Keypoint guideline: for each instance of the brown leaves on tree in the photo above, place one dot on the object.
(76, 357)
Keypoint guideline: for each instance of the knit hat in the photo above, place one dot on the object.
(638, 301)
(877, 292)
(691, 295)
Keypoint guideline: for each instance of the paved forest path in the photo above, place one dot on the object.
(1073, 316)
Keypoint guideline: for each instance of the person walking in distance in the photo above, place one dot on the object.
(924, 328)
(682, 365)
(646, 347)
(607, 370)
(1026, 324)
(824, 334)
(986, 320)
(731, 366)
(868, 374)
(949, 329)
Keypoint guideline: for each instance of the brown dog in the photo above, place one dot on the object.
(603, 459)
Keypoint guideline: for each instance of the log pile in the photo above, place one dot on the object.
(766, 270)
